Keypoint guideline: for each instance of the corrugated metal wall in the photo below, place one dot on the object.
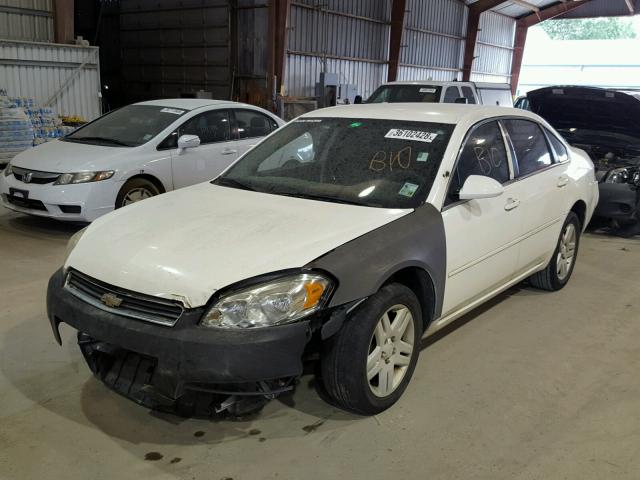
(30, 20)
(494, 48)
(350, 39)
(41, 70)
(433, 40)
(175, 48)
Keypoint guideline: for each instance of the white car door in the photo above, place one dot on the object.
(544, 201)
(482, 234)
(250, 127)
(216, 152)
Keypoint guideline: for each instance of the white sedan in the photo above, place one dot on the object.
(130, 154)
(342, 238)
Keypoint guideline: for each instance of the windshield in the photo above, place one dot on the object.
(378, 163)
(129, 126)
(406, 93)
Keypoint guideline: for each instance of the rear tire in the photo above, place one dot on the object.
(368, 364)
(135, 190)
(558, 272)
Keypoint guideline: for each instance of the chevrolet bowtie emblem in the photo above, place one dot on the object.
(111, 300)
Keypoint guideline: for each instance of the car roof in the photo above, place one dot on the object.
(450, 113)
(188, 103)
(424, 82)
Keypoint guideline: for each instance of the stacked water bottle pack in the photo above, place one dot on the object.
(46, 125)
(16, 129)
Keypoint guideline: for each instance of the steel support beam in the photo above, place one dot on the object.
(63, 14)
(473, 22)
(278, 25)
(522, 26)
(395, 38)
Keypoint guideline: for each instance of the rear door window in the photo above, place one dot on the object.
(451, 94)
(530, 146)
(467, 92)
(251, 124)
(558, 147)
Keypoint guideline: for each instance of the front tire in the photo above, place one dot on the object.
(558, 272)
(135, 190)
(368, 364)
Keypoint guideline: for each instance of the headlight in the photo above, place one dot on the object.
(8, 170)
(284, 300)
(83, 177)
(619, 175)
(73, 241)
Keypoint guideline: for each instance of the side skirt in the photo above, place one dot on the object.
(444, 321)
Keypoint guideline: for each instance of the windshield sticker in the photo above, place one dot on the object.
(415, 135)
(422, 157)
(427, 90)
(408, 190)
(557, 91)
(147, 136)
(175, 111)
(308, 120)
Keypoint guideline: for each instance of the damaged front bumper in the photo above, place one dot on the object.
(618, 201)
(156, 365)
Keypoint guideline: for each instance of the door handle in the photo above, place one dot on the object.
(511, 204)
(563, 181)
(228, 151)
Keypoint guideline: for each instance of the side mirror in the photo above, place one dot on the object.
(357, 99)
(187, 141)
(462, 100)
(479, 186)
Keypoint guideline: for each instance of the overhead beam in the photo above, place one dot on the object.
(395, 38)
(522, 27)
(473, 22)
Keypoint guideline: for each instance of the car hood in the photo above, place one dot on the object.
(588, 108)
(63, 157)
(186, 244)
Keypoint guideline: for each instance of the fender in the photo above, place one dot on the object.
(364, 264)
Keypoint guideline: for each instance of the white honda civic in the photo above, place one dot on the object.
(340, 239)
(130, 154)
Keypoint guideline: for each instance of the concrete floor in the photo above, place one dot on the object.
(533, 386)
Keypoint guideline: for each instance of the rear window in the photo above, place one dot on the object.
(558, 147)
(406, 93)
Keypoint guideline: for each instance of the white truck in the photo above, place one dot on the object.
(443, 92)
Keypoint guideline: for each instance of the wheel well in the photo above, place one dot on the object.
(580, 209)
(152, 179)
(420, 283)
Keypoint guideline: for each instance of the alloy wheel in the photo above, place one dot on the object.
(390, 350)
(566, 251)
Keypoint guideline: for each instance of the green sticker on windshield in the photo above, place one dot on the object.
(355, 124)
(408, 189)
(422, 157)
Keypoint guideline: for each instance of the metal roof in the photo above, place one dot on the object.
(593, 8)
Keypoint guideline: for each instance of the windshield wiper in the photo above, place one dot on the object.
(101, 139)
(231, 182)
(323, 198)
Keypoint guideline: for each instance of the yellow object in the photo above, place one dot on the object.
(314, 293)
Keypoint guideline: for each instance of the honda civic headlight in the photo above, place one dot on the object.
(8, 170)
(83, 177)
(280, 301)
(619, 175)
